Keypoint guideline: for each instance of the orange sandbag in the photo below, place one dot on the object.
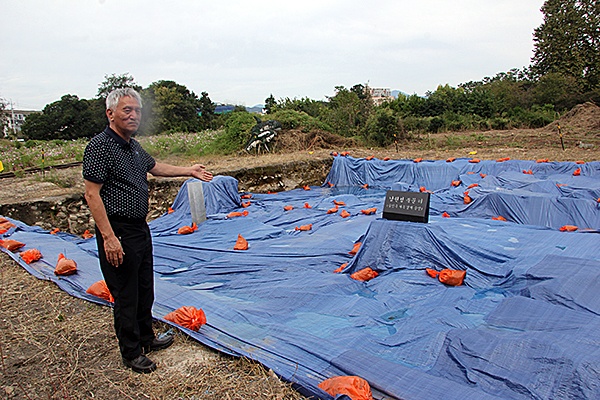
(186, 230)
(467, 199)
(503, 159)
(87, 234)
(306, 205)
(246, 196)
(30, 255)
(65, 266)
(499, 218)
(418, 160)
(365, 274)
(482, 175)
(456, 183)
(332, 210)
(334, 153)
(339, 203)
(2, 220)
(344, 214)
(99, 289)
(246, 204)
(241, 243)
(345, 153)
(452, 277)
(472, 185)
(288, 208)
(330, 184)
(450, 159)
(432, 272)
(54, 231)
(580, 162)
(188, 317)
(577, 172)
(236, 214)
(542, 160)
(355, 248)
(369, 158)
(445, 215)
(170, 210)
(306, 187)
(386, 159)
(568, 228)
(474, 160)
(6, 224)
(528, 172)
(369, 211)
(365, 186)
(340, 268)
(11, 245)
(352, 386)
(304, 227)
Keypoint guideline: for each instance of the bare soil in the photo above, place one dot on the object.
(55, 346)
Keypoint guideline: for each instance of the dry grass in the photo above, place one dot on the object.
(54, 346)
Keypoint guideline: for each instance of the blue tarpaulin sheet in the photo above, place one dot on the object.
(525, 324)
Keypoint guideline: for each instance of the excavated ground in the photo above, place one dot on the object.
(55, 346)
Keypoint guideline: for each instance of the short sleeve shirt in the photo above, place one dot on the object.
(121, 167)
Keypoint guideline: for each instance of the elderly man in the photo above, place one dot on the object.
(115, 169)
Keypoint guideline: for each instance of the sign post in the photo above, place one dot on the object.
(406, 206)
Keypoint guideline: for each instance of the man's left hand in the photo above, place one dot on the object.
(199, 171)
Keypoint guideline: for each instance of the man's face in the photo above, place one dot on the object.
(125, 118)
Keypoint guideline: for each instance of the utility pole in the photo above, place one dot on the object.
(12, 119)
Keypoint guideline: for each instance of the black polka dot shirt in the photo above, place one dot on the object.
(122, 169)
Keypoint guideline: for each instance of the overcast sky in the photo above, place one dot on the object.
(240, 52)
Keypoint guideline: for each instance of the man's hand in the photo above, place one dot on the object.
(199, 171)
(114, 251)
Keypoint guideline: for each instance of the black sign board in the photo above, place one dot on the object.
(406, 206)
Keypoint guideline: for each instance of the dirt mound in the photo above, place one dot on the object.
(583, 119)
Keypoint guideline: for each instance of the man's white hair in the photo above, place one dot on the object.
(113, 97)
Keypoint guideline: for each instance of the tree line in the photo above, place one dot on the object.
(564, 71)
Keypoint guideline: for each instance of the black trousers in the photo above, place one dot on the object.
(131, 284)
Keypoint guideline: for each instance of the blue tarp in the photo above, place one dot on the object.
(525, 325)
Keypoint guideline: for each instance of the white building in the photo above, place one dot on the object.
(15, 119)
(380, 95)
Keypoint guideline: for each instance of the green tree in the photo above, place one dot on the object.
(568, 41)
(270, 104)
(68, 118)
(346, 112)
(206, 111)
(114, 81)
(169, 106)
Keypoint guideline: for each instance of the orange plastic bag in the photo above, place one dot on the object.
(345, 153)
(418, 160)
(54, 231)
(306, 205)
(579, 162)
(577, 172)
(482, 175)
(503, 159)
(65, 266)
(474, 160)
(542, 160)
(451, 159)
(188, 317)
(288, 208)
(99, 289)
(304, 227)
(499, 218)
(452, 277)
(339, 203)
(241, 243)
(568, 228)
(467, 199)
(333, 210)
(365, 274)
(369, 211)
(344, 214)
(369, 158)
(472, 185)
(186, 230)
(528, 172)
(445, 215)
(30, 255)
(170, 210)
(334, 153)
(355, 248)
(352, 386)
(246, 196)
(456, 183)
(246, 204)
(340, 268)
(87, 234)
(365, 186)
(11, 245)
(236, 214)
(306, 187)
(386, 159)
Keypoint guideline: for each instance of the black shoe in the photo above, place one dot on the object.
(158, 343)
(140, 364)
